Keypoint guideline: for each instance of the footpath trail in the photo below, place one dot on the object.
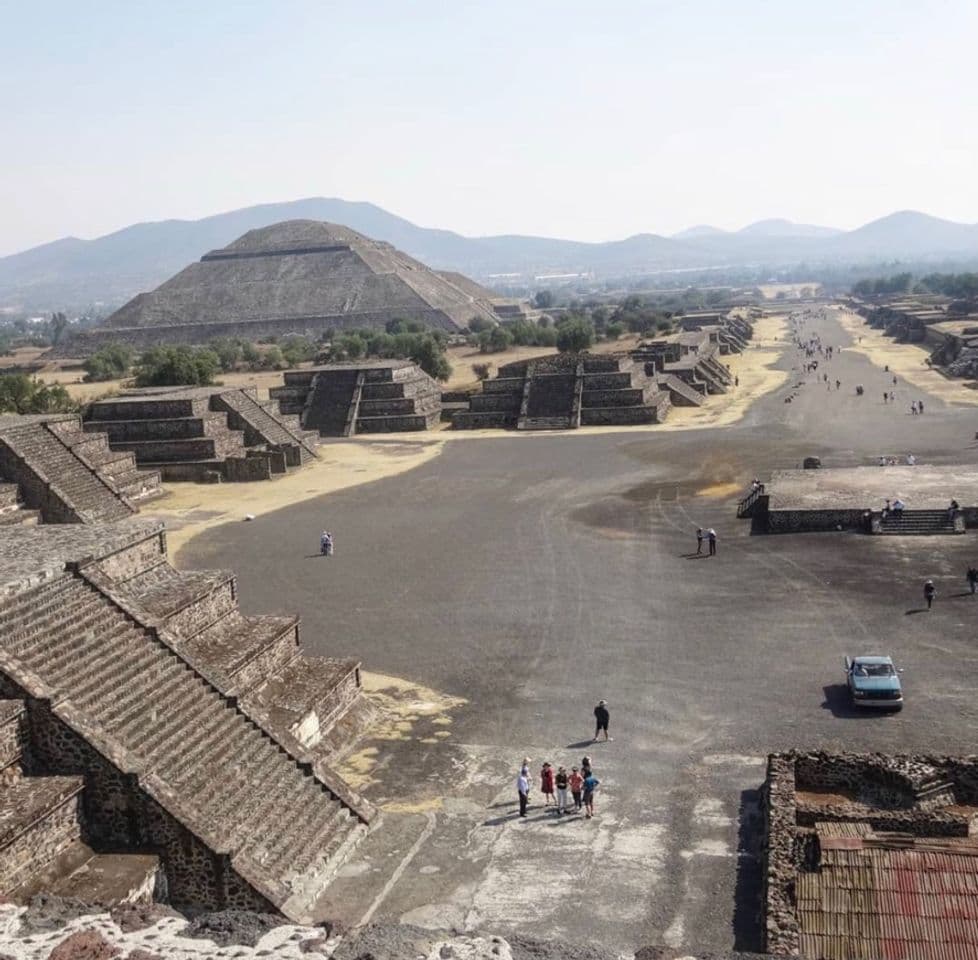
(520, 580)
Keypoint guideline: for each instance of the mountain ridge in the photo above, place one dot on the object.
(72, 273)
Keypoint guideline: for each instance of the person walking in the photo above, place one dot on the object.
(601, 719)
(523, 789)
(886, 396)
(920, 406)
(576, 783)
(324, 539)
(585, 767)
(972, 577)
(547, 783)
(913, 407)
(699, 540)
(712, 537)
(561, 782)
(930, 591)
(590, 785)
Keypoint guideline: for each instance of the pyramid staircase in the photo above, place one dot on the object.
(201, 774)
(346, 399)
(68, 478)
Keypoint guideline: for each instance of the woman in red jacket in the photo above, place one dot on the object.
(547, 783)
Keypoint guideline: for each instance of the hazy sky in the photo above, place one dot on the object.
(584, 120)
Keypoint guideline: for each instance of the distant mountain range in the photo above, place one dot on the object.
(72, 273)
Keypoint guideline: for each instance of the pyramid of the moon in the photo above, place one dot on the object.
(296, 277)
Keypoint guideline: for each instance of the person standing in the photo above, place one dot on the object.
(972, 577)
(930, 591)
(601, 720)
(523, 789)
(920, 406)
(712, 537)
(324, 544)
(576, 783)
(561, 781)
(590, 785)
(699, 540)
(547, 783)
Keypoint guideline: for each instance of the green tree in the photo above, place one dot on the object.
(272, 358)
(177, 365)
(57, 326)
(353, 346)
(495, 340)
(430, 356)
(228, 350)
(544, 299)
(614, 330)
(22, 394)
(295, 350)
(478, 324)
(574, 334)
(111, 362)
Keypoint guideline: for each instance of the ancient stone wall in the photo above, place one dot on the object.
(272, 657)
(814, 521)
(250, 468)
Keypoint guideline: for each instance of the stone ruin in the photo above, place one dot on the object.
(344, 399)
(871, 855)
(566, 391)
(207, 434)
(297, 277)
(155, 741)
(51, 470)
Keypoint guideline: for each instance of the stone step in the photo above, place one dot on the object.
(298, 850)
(543, 423)
(165, 724)
(33, 827)
(20, 517)
(156, 682)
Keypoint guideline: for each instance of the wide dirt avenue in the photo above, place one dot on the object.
(510, 582)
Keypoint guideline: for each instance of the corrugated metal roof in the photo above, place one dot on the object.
(879, 896)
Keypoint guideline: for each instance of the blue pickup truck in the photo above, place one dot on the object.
(874, 682)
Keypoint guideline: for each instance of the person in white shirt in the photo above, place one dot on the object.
(523, 789)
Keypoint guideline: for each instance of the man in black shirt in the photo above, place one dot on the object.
(601, 719)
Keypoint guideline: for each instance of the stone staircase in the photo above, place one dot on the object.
(55, 479)
(919, 522)
(116, 467)
(680, 392)
(345, 399)
(157, 719)
(328, 404)
(261, 425)
(549, 403)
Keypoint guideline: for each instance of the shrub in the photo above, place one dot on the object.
(297, 349)
(429, 354)
(229, 351)
(273, 359)
(614, 330)
(495, 340)
(177, 365)
(481, 370)
(574, 335)
(111, 362)
(22, 394)
(478, 324)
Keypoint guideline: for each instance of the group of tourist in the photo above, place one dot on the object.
(561, 788)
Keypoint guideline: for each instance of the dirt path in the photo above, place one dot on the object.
(905, 360)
